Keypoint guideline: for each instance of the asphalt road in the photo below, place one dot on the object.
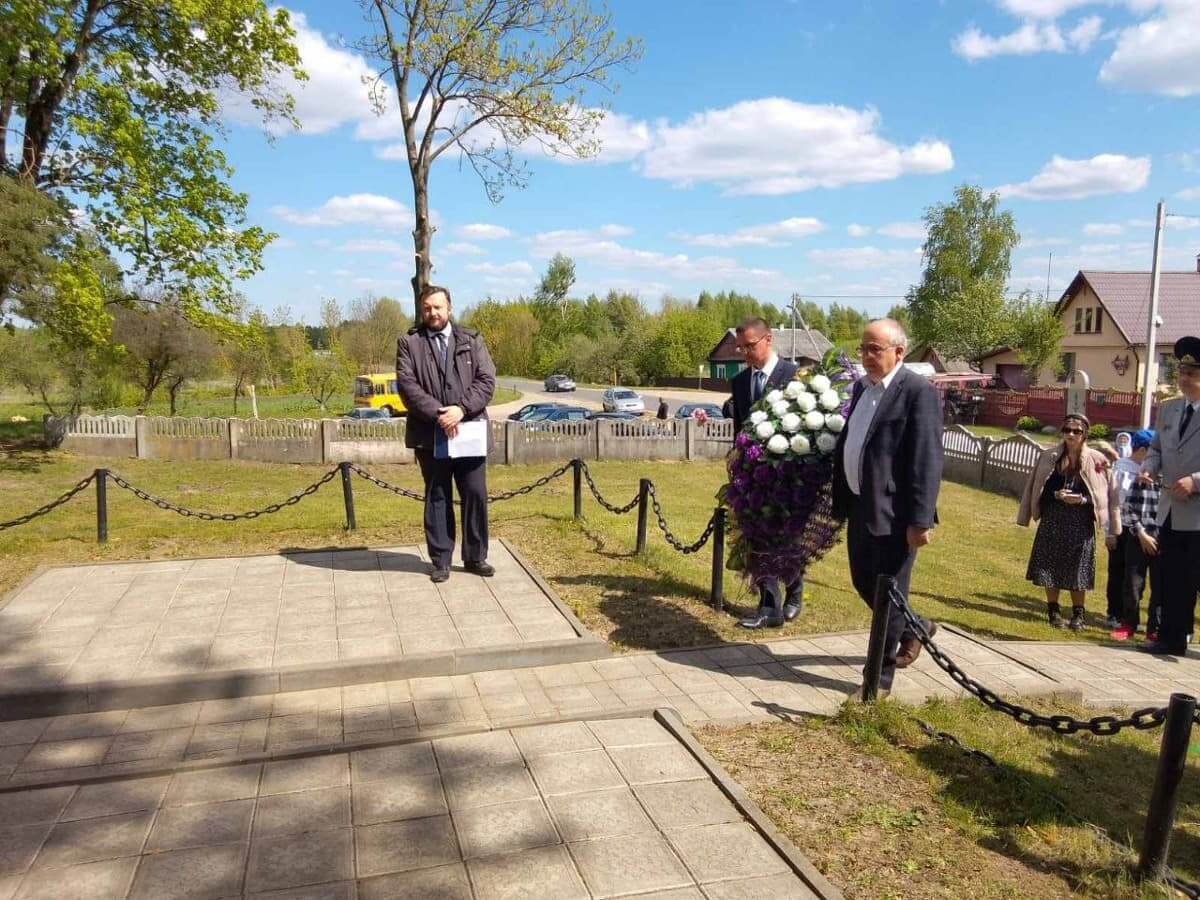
(533, 392)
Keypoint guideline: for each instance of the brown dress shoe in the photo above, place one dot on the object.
(910, 647)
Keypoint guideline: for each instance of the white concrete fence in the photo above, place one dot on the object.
(379, 441)
(996, 465)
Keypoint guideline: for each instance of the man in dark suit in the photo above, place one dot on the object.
(764, 372)
(446, 377)
(888, 468)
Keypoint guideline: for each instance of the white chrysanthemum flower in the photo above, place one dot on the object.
(764, 429)
(758, 416)
(790, 423)
(826, 442)
(814, 421)
(794, 389)
(830, 400)
(819, 384)
(835, 422)
(781, 408)
(774, 396)
(800, 445)
(806, 402)
(777, 444)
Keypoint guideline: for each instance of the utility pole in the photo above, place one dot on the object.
(1150, 381)
(795, 300)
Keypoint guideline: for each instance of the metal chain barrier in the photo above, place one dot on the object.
(1142, 719)
(611, 507)
(224, 517)
(533, 486)
(946, 737)
(49, 507)
(386, 485)
(671, 539)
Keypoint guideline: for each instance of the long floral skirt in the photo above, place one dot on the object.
(1064, 548)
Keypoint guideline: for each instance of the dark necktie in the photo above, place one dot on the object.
(1187, 420)
(441, 336)
(759, 381)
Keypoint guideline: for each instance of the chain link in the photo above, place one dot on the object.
(223, 517)
(946, 737)
(49, 507)
(386, 485)
(671, 539)
(611, 507)
(1142, 719)
(541, 482)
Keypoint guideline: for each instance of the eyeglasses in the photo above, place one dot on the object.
(1074, 431)
(745, 348)
(873, 349)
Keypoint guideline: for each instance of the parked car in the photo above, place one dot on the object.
(688, 410)
(368, 412)
(558, 383)
(618, 416)
(546, 417)
(623, 400)
(529, 409)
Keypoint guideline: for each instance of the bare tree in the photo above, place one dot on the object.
(490, 78)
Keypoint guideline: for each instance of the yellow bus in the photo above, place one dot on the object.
(378, 392)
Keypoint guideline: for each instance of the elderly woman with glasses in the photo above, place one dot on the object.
(1067, 495)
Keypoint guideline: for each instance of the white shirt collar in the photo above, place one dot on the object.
(769, 365)
(445, 331)
(884, 383)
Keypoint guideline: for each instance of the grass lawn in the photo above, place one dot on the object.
(947, 825)
(972, 575)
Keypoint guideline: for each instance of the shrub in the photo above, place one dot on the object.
(1028, 423)
(1099, 433)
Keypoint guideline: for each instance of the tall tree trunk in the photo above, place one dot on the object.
(237, 391)
(173, 392)
(422, 237)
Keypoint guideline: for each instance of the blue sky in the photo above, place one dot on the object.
(765, 146)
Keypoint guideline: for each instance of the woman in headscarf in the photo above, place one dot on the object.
(1067, 495)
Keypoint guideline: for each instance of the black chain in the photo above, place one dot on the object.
(492, 498)
(49, 507)
(224, 517)
(946, 737)
(1142, 719)
(611, 507)
(671, 539)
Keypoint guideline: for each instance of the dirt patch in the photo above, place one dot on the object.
(873, 832)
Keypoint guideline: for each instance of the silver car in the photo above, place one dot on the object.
(623, 400)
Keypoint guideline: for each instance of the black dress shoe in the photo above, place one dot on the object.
(482, 567)
(762, 620)
(1161, 648)
(437, 576)
(791, 610)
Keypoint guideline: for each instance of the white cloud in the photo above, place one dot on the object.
(462, 248)
(859, 258)
(777, 146)
(1160, 55)
(517, 267)
(367, 245)
(1072, 179)
(354, 209)
(906, 230)
(484, 232)
(1084, 34)
(615, 230)
(1030, 38)
(776, 234)
(1182, 223)
(1043, 9)
(857, 231)
(1103, 229)
(1192, 193)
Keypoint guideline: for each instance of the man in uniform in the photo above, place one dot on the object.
(1175, 455)
(446, 378)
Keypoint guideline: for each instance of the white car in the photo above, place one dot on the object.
(623, 400)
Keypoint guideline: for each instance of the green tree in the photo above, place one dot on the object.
(369, 336)
(115, 107)
(960, 305)
(510, 332)
(322, 373)
(63, 378)
(1036, 332)
(247, 356)
(161, 348)
(489, 76)
(550, 298)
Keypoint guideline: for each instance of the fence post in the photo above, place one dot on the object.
(985, 452)
(102, 506)
(643, 510)
(577, 467)
(1164, 800)
(716, 594)
(879, 626)
(348, 496)
(141, 429)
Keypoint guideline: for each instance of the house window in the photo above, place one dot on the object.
(1079, 320)
(1088, 319)
(1099, 318)
(1066, 365)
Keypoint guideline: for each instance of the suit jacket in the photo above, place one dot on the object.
(1173, 459)
(901, 459)
(423, 387)
(741, 385)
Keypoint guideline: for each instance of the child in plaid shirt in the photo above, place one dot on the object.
(1139, 532)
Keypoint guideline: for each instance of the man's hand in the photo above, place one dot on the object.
(1149, 544)
(918, 537)
(448, 419)
(1145, 477)
(1183, 488)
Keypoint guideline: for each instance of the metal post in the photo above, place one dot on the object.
(577, 466)
(102, 506)
(1150, 379)
(643, 510)
(348, 496)
(1164, 799)
(884, 585)
(716, 593)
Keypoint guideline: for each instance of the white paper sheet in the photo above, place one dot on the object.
(471, 440)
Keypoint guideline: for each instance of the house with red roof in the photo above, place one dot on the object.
(1104, 316)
